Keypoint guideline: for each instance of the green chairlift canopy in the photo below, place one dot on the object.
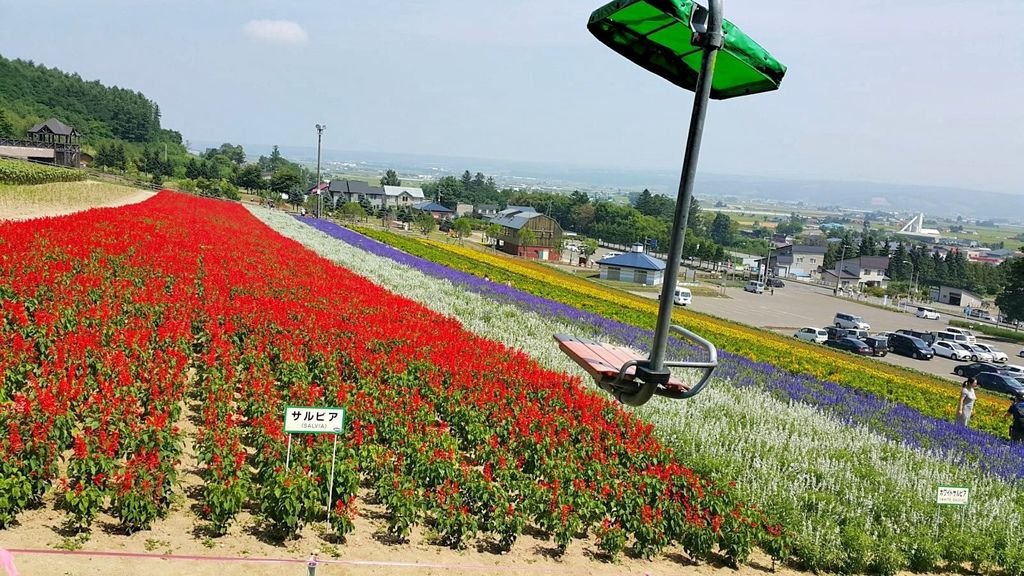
(656, 35)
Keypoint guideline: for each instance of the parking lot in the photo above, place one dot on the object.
(797, 305)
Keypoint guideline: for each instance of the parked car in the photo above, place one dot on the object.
(755, 287)
(928, 337)
(977, 354)
(981, 314)
(997, 382)
(776, 283)
(951, 350)
(1021, 353)
(967, 333)
(843, 320)
(811, 334)
(911, 346)
(1014, 370)
(927, 313)
(879, 345)
(682, 296)
(837, 333)
(952, 337)
(850, 345)
(969, 370)
(997, 354)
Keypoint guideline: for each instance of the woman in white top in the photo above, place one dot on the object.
(966, 406)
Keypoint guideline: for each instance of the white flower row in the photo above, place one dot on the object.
(787, 458)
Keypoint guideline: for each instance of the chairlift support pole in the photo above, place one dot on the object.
(655, 369)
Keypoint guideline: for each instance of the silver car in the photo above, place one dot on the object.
(997, 354)
(977, 354)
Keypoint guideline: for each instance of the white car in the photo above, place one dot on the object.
(1014, 370)
(927, 313)
(843, 320)
(997, 354)
(977, 354)
(1021, 353)
(811, 334)
(967, 333)
(951, 350)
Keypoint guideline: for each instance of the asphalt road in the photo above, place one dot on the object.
(797, 305)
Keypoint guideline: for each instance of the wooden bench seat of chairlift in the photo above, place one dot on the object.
(603, 361)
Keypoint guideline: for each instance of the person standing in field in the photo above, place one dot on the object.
(967, 398)
(1016, 411)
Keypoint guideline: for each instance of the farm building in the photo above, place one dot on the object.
(486, 210)
(633, 266)
(51, 141)
(344, 191)
(529, 234)
(438, 211)
(861, 272)
(798, 261)
(399, 196)
(959, 297)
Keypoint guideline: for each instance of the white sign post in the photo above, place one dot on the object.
(952, 496)
(312, 420)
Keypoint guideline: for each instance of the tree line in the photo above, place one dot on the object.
(120, 128)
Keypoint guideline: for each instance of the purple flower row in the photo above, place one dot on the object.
(889, 419)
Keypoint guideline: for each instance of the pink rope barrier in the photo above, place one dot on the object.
(246, 559)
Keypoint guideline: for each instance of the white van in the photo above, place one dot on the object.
(755, 287)
(967, 333)
(927, 313)
(682, 296)
(952, 337)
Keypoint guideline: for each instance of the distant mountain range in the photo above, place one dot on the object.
(932, 200)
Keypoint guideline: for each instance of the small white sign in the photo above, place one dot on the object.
(953, 495)
(312, 420)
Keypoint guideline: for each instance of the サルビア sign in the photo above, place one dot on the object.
(312, 420)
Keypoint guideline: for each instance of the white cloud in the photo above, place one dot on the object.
(276, 31)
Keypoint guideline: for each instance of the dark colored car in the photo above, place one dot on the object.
(839, 333)
(928, 337)
(850, 345)
(911, 346)
(972, 370)
(879, 345)
(776, 283)
(1002, 383)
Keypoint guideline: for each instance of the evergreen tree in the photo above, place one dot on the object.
(1011, 299)
(721, 229)
(900, 267)
(390, 178)
(938, 273)
(6, 128)
(867, 246)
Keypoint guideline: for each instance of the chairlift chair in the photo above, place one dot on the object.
(696, 49)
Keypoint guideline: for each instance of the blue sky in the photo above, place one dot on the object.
(905, 91)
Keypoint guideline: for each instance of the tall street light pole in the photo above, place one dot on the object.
(319, 193)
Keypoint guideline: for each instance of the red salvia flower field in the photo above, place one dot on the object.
(121, 326)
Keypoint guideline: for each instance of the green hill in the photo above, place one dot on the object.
(31, 93)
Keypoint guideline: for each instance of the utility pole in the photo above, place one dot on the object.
(319, 193)
(839, 263)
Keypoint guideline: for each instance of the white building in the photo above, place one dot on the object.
(399, 196)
